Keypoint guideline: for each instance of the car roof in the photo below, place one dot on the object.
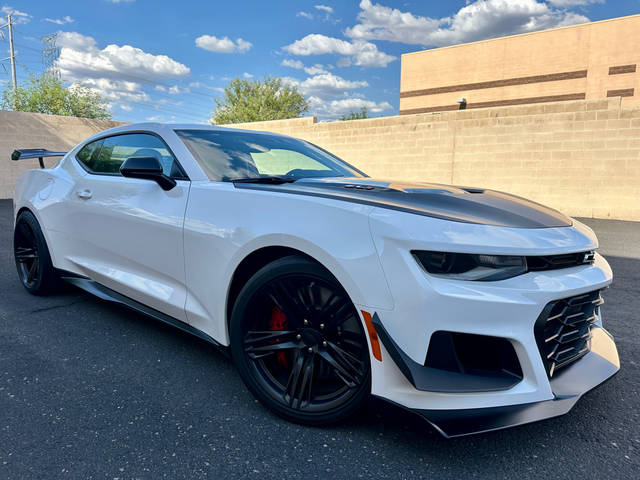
(163, 127)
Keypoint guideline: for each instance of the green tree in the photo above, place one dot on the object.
(47, 94)
(256, 100)
(355, 115)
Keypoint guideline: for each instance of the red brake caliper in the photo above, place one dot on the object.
(278, 321)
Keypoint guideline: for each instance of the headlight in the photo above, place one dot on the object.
(468, 266)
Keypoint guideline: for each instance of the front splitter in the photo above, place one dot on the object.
(568, 385)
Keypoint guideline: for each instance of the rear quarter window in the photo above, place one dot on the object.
(88, 154)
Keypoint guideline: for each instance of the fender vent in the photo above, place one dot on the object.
(563, 329)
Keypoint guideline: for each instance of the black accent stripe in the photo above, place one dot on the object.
(482, 207)
(507, 82)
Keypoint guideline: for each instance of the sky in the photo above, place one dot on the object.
(166, 61)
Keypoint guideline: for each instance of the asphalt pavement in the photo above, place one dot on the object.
(91, 390)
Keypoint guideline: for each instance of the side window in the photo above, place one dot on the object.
(88, 154)
(115, 150)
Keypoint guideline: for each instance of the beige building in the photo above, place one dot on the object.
(588, 61)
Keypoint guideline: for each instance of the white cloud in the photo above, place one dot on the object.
(122, 1)
(175, 89)
(306, 15)
(333, 109)
(573, 3)
(360, 53)
(75, 41)
(80, 58)
(316, 69)
(60, 21)
(324, 8)
(18, 16)
(325, 85)
(287, 62)
(477, 20)
(155, 118)
(117, 73)
(298, 65)
(223, 44)
(247, 75)
(114, 91)
(126, 108)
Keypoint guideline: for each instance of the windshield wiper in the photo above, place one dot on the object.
(272, 179)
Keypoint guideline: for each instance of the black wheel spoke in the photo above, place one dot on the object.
(24, 254)
(341, 368)
(33, 270)
(348, 358)
(255, 337)
(267, 343)
(337, 313)
(298, 390)
(284, 300)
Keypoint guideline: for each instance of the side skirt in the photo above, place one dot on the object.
(109, 295)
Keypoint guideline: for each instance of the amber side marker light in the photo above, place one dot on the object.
(373, 336)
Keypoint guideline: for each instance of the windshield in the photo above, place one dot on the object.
(229, 155)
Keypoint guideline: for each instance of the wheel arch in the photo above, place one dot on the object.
(253, 262)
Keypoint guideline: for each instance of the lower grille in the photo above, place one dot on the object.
(563, 329)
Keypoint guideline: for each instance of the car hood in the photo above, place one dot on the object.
(460, 204)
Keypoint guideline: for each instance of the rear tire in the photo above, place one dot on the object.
(33, 262)
(298, 343)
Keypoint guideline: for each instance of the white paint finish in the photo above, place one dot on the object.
(225, 224)
(177, 251)
(130, 238)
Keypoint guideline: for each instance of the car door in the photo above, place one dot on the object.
(128, 233)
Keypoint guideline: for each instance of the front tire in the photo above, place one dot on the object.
(298, 343)
(33, 262)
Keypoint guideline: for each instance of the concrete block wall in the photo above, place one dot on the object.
(35, 130)
(580, 157)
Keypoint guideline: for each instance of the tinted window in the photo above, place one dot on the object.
(88, 154)
(234, 155)
(115, 150)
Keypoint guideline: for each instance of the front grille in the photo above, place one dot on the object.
(563, 329)
(554, 262)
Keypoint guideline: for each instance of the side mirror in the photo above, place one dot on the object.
(148, 168)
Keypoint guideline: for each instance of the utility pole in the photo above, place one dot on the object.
(11, 57)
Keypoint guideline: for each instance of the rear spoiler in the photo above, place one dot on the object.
(38, 153)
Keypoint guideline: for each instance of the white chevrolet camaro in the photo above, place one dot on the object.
(476, 309)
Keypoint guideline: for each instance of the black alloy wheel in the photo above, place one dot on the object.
(299, 344)
(32, 258)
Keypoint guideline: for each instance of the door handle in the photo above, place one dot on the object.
(84, 194)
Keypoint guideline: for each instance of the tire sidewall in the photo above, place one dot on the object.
(278, 268)
(46, 281)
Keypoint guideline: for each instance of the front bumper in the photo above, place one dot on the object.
(427, 309)
(600, 364)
